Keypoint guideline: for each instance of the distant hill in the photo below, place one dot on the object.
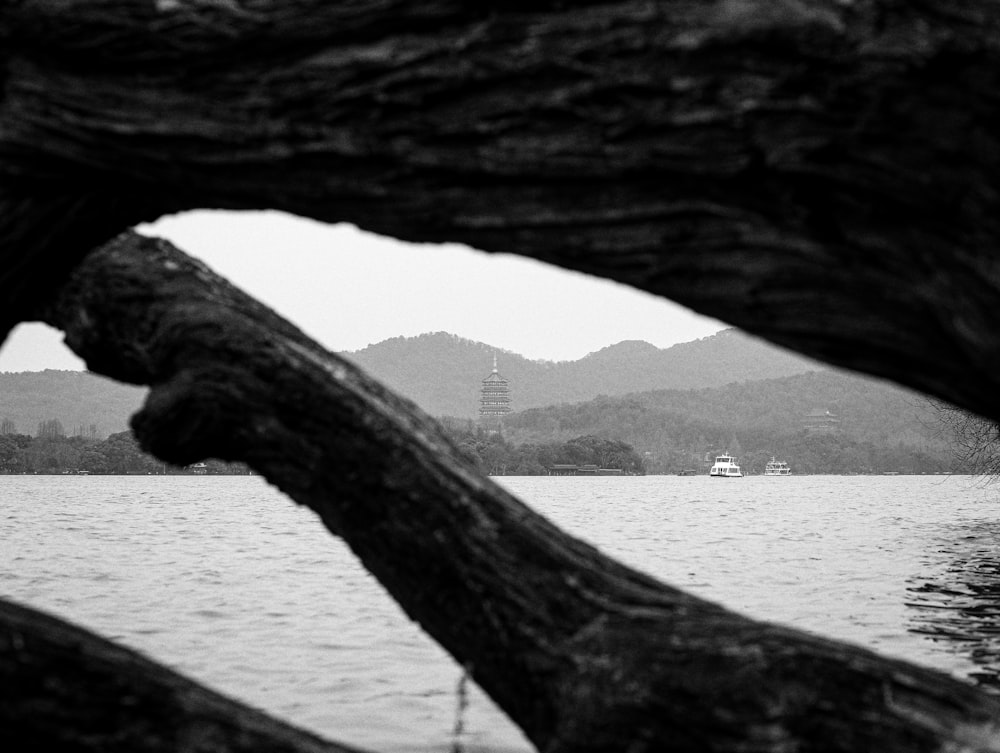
(74, 398)
(442, 372)
(881, 426)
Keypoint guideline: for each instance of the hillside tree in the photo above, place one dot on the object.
(50, 428)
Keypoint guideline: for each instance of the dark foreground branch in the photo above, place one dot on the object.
(583, 653)
(821, 173)
(65, 689)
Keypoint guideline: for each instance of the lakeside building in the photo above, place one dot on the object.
(494, 401)
(587, 469)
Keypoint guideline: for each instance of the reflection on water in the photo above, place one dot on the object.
(958, 606)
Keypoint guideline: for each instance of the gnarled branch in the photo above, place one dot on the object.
(819, 172)
(582, 652)
(63, 688)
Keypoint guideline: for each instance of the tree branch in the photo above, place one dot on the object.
(583, 653)
(820, 173)
(65, 689)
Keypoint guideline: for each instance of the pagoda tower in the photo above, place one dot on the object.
(494, 400)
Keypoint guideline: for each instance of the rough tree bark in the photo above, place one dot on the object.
(582, 652)
(819, 172)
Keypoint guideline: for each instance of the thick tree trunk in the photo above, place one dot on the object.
(582, 652)
(821, 173)
(65, 689)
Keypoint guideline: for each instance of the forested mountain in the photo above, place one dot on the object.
(81, 402)
(442, 372)
(879, 427)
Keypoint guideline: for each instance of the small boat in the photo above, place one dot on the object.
(777, 468)
(725, 467)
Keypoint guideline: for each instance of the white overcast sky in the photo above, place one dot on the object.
(348, 289)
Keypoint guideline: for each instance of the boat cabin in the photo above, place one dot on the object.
(726, 467)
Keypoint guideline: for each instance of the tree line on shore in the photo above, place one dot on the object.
(52, 451)
(498, 456)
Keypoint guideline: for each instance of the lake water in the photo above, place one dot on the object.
(225, 580)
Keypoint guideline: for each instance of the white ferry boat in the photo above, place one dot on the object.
(777, 468)
(725, 467)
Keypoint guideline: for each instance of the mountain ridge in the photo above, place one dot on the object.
(442, 373)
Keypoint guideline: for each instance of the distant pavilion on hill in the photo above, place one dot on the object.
(819, 421)
(494, 401)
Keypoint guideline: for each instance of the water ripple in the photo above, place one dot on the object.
(225, 580)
